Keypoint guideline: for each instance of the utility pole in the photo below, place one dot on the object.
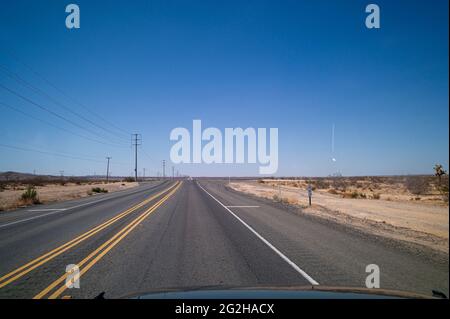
(173, 173)
(107, 169)
(144, 174)
(164, 169)
(136, 141)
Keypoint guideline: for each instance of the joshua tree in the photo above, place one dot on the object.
(439, 172)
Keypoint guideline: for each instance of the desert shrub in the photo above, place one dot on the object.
(260, 181)
(30, 196)
(99, 190)
(353, 195)
(276, 198)
(332, 191)
(360, 184)
(37, 181)
(75, 180)
(129, 179)
(443, 190)
(376, 196)
(339, 183)
(417, 185)
(377, 179)
(321, 184)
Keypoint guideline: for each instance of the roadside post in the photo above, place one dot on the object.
(309, 194)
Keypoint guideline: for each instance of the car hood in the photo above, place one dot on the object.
(300, 292)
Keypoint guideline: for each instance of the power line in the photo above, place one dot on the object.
(66, 155)
(39, 75)
(41, 149)
(19, 79)
(149, 157)
(48, 153)
(58, 127)
(18, 141)
(46, 109)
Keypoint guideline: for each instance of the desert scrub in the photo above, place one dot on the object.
(30, 196)
(98, 190)
(376, 196)
(353, 195)
(417, 185)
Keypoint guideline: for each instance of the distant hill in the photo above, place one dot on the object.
(16, 176)
(10, 176)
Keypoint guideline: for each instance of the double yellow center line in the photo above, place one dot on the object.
(97, 254)
(23, 270)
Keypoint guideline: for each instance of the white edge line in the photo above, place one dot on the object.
(27, 219)
(46, 210)
(243, 206)
(54, 211)
(279, 253)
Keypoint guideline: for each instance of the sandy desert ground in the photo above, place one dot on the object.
(10, 197)
(394, 213)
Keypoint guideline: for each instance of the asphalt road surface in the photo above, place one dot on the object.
(192, 234)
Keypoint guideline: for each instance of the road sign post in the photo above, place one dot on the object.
(309, 194)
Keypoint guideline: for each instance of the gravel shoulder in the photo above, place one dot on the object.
(415, 223)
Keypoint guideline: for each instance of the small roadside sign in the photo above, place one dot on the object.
(309, 194)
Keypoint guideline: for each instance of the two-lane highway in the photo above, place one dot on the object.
(34, 248)
(194, 234)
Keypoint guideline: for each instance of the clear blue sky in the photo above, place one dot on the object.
(300, 66)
